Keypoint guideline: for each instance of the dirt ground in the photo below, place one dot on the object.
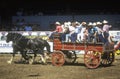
(39, 71)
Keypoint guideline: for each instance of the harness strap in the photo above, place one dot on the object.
(16, 38)
(29, 41)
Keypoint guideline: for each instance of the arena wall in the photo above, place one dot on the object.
(7, 47)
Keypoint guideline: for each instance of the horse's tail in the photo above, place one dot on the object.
(47, 46)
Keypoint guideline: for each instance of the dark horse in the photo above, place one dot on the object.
(23, 44)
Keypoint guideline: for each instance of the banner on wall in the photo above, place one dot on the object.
(7, 47)
(115, 34)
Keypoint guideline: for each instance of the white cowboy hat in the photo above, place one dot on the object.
(66, 24)
(98, 23)
(69, 23)
(90, 24)
(94, 24)
(83, 23)
(57, 23)
(77, 23)
(104, 21)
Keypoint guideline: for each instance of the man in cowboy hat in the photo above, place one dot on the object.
(99, 31)
(58, 30)
(106, 28)
(92, 32)
(81, 37)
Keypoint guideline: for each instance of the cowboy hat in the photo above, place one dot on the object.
(104, 21)
(58, 23)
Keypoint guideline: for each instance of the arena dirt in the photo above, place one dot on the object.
(39, 71)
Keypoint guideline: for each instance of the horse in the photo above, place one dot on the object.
(23, 44)
(116, 44)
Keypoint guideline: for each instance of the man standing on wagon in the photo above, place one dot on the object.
(106, 29)
(92, 32)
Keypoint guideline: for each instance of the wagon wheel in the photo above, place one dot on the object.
(58, 58)
(107, 58)
(92, 58)
(70, 57)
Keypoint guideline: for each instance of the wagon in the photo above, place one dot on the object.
(96, 54)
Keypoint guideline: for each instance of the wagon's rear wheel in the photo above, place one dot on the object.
(58, 58)
(70, 57)
(107, 58)
(92, 58)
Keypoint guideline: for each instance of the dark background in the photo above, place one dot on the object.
(9, 7)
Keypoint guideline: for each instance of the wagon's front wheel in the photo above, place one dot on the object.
(92, 58)
(58, 58)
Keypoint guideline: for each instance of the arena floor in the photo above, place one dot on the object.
(39, 71)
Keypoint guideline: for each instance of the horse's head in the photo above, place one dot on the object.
(9, 37)
(117, 45)
(13, 37)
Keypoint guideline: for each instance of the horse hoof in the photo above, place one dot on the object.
(9, 62)
(30, 61)
(44, 63)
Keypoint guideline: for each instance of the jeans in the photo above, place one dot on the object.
(92, 38)
(106, 35)
(100, 37)
(68, 36)
(73, 37)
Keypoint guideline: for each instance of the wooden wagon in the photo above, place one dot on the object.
(96, 54)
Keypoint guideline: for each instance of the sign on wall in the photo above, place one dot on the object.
(6, 47)
(115, 34)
